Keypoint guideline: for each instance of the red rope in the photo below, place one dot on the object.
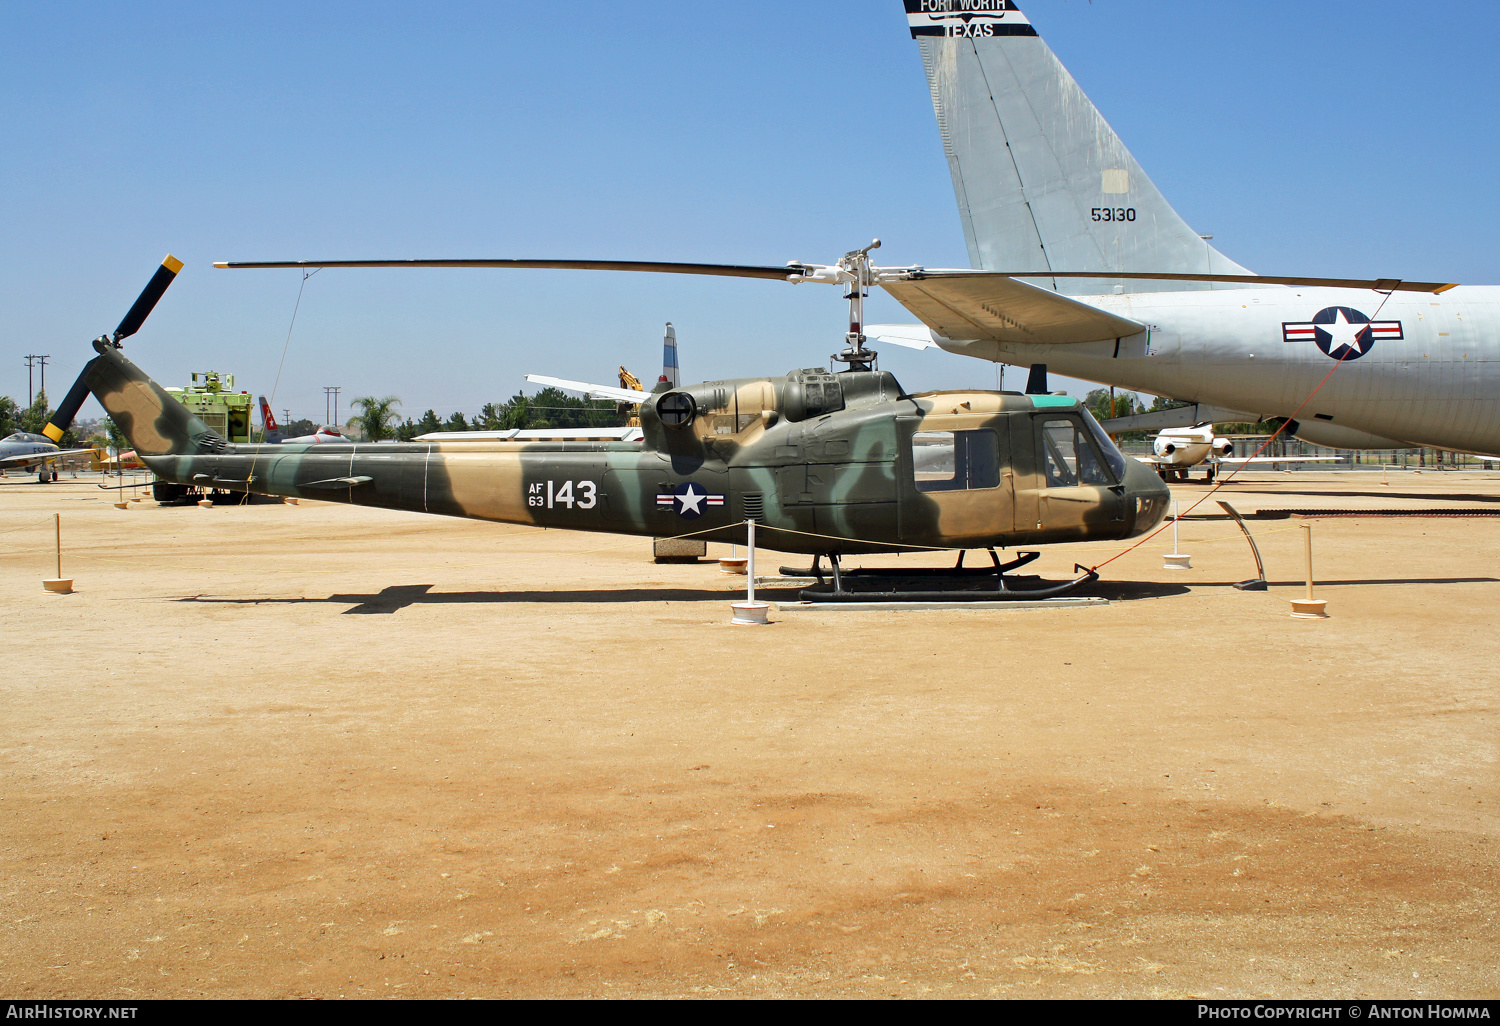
(1224, 481)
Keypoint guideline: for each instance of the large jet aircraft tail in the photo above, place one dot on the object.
(1043, 182)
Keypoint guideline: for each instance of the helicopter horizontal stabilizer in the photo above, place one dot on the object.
(339, 482)
(994, 308)
(600, 434)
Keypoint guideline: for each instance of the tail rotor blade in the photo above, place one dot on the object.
(148, 297)
(62, 418)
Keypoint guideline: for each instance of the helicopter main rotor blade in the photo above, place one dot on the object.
(797, 271)
(722, 270)
(62, 417)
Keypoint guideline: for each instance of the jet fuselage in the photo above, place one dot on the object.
(1416, 368)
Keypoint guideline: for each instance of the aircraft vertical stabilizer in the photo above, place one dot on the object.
(1042, 180)
(669, 372)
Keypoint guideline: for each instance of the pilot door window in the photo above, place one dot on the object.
(947, 461)
(1068, 458)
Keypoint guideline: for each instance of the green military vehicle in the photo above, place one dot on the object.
(213, 400)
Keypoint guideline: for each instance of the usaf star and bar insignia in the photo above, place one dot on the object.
(1341, 332)
(688, 500)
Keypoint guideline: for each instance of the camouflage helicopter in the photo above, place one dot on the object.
(826, 464)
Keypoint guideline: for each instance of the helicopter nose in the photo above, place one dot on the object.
(1148, 493)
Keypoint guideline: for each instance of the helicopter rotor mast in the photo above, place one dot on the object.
(857, 263)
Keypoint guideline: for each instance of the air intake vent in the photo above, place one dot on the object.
(753, 506)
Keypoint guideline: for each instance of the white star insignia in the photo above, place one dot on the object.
(691, 499)
(1344, 333)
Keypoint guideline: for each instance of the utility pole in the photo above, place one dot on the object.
(286, 416)
(331, 404)
(32, 360)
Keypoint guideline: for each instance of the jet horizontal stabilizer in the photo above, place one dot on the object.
(997, 308)
(1177, 417)
(1251, 280)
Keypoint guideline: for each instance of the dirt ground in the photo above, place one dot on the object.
(315, 751)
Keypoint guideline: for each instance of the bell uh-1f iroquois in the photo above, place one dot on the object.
(826, 464)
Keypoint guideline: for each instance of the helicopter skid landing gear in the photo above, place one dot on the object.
(940, 584)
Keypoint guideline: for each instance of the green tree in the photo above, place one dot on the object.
(376, 416)
(489, 417)
(429, 423)
(116, 436)
(512, 414)
(1126, 404)
(456, 423)
(552, 407)
(10, 416)
(37, 414)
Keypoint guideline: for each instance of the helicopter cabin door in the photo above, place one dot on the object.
(1078, 491)
(961, 489)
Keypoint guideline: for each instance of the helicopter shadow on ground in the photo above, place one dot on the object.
(399, 596)
(1384, 493)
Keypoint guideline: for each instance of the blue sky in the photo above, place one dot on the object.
(1345, 139)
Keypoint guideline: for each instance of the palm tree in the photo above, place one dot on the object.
(376, 416)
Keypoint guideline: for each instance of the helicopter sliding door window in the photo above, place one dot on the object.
(946, 461)
(1069, 457)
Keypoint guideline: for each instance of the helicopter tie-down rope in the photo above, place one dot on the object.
(1389, 288)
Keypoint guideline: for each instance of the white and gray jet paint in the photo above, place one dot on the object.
(1044, 184)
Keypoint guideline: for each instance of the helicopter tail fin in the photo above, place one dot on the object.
(155, 423)
(1042, 180)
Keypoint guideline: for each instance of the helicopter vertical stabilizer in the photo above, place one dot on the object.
(152, 421)
(1037, 170)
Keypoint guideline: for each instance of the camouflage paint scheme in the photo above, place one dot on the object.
(823, 462)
